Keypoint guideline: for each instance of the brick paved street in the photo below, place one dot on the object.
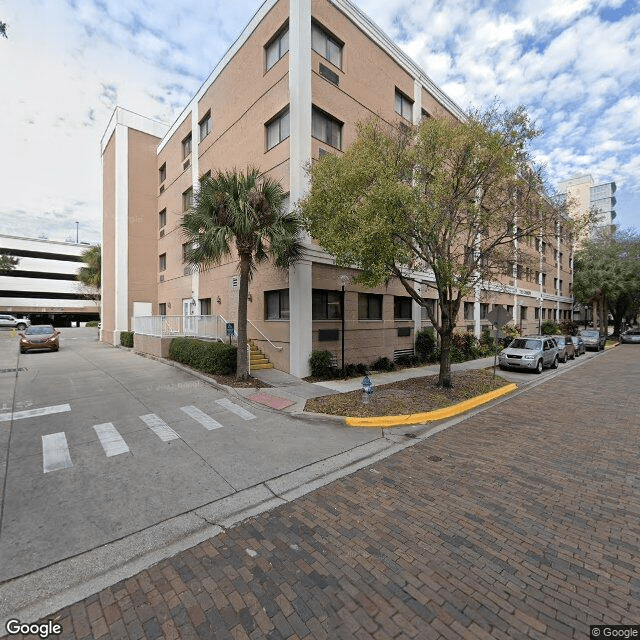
(521, 522)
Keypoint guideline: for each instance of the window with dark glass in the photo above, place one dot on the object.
(326, 45)
(523, 313)
(205, 306)
(276, 304)
(276, 48)
(162, 262)
(186, 147)
(404, 106)
(325, 305)
(162, 173)
(468, 310)
(162, 218)
(402, 307)
(162, 309)
(424, 114)
(187, 199)
(277, 129)
(369, 306)
(205, 126)
(484, 310)
(326, 128)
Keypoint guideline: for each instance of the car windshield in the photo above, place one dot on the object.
(590, 334)
(41, 330)
(522, 343)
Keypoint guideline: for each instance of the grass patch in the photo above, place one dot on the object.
(415, 395)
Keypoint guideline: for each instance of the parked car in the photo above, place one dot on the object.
(530, 352)
(14, 323)
(566, 350)
(39, 336)
(593, 339)
(631, 336)
(578, 343)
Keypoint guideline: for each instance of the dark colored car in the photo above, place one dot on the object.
(593, 339)
(631, 336)
(39, 336)
(578, 343)
(566, 349)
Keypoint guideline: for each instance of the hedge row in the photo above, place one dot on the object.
(126, 338)
(210, 357)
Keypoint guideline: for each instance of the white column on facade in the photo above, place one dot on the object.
(195, 183)
(300, 275)
(417, 101)
(416, 310)
(121, 279)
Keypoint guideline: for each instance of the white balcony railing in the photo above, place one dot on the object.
(213, 327)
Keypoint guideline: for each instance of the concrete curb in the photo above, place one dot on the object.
(430, 416)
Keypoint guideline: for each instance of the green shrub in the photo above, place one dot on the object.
(383, 364)
(320, 364)
(550, 328)
(408, 361)
(425, 345)
(203, 355)
(353, 370)
(93, 323)
(569, 328)
(126, 338)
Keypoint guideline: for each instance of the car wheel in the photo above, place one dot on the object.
(21, 326)
(555, 363)
(539, 366)
(22, 351)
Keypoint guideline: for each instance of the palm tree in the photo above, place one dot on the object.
(90, 273)
(243, 211)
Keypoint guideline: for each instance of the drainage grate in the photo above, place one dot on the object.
(14, 370)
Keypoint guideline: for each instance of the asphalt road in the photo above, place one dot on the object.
(98, 443)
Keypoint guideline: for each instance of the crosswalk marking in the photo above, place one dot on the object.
(111, 441)
(237, 409)
(199, 416)
(55, 452)
(31, 413)
(159, 427)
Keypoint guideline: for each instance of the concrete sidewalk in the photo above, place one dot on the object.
(283, 386)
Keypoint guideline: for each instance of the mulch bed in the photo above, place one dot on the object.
(415, 395)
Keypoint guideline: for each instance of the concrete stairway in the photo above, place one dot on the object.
(257, 359)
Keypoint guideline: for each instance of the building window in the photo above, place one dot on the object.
(185, 252)
(431, 304)
(523, 313)
(484, 310)
(205, 126)
(544, 278)
(468, 310)
(162, 262)
(325, 305)
(326, 128)
(162, 173)
(536, 313)
(276, 304)
(186, 147)
(162, 309)
(187, 199)
(204, 176)
(555, 284)
(544, 313)
(275, 49)
(424, 114)
(510, 310)
(404, 106)
(162, 218)
(205, 306)
(369, 306)
(402, 307)
(278, 129)
(560, 288)
(326, 45)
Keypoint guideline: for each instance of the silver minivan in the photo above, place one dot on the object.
(530, 352)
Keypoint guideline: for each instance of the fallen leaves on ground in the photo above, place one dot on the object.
(414, 395)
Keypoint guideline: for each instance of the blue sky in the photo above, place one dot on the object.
(574, 63)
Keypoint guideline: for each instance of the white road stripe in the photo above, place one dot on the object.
(111, 441)
(159, 427)
(237, 409)
(55, 452)
(31, 413)
(199, 416)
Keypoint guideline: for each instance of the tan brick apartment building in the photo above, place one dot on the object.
(291, 88)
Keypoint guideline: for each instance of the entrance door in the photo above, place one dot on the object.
(188, 309)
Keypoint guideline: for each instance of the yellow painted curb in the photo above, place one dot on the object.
(429, 416)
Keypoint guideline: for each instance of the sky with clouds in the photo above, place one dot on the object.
(575, 64)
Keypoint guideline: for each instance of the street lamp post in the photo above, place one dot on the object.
(342, 281)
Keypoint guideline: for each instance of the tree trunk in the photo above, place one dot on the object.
(444, 379)
(242, 362)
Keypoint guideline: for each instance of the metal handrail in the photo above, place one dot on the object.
(275, 346)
